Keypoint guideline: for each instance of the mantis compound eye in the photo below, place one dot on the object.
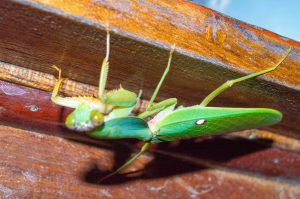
(96, 118)
(70, 121)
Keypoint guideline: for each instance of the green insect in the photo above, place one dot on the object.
(170, 124)
(92, 112)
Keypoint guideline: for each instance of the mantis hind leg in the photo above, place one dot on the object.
(130, 161)
(230, 83)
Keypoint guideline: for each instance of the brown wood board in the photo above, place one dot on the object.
(211, 49)
(57, 168)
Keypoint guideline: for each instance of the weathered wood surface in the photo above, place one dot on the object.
(211, 49)
(56, 168)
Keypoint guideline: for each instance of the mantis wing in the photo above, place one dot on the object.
(200, 121)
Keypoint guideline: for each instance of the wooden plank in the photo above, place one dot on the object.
(211, 49)
(56, 168)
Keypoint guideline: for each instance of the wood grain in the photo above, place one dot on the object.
(56, 168)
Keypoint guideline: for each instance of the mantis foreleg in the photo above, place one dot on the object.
(230, 83)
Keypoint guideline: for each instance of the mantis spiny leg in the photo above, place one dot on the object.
(230, 83)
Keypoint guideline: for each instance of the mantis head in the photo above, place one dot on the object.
(84, 118)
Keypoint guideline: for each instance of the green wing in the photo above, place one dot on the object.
(200, 121)
(120, 128)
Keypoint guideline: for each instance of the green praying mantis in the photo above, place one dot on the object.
(107, 117)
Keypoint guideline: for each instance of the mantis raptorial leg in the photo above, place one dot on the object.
(230, 83)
